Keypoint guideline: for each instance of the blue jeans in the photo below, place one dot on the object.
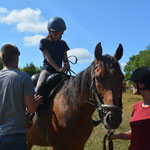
(13, 142)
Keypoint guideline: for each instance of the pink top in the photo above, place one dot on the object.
(140, 127)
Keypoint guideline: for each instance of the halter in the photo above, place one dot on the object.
(102, 108)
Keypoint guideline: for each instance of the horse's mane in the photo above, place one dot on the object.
(77, 85)
(80, 84)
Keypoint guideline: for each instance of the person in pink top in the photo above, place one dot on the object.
(140, 120)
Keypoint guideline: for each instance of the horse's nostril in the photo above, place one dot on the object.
(112, 120)
(109, 119)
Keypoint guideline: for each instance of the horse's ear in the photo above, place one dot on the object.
(119, 52)
(98, 51)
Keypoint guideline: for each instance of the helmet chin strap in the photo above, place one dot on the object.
(138, 89)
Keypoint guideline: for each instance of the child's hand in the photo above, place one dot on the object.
(66, 65)
(63, 69)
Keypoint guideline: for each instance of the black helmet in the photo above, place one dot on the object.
(34, 79)
(141, 75)
(56, 24)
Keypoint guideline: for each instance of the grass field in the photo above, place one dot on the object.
(95, 141)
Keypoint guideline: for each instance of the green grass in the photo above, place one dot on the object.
(95, 141)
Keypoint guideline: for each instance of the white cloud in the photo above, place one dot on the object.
(122, 65)
(26, 20)
(3, 10)
(32, 40)
(83, 55)
(32, 27)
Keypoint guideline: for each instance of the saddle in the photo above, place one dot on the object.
(51, 82)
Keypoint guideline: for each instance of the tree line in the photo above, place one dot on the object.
(29, 68)
(140, 60)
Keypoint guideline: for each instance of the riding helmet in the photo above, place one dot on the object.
(141, 75)
(56, 24)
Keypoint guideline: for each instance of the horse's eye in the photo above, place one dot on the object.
(98, 79)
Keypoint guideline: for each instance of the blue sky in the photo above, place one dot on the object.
(24, 22)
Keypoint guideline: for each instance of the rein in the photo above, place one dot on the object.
(101, 107)
(71, 71)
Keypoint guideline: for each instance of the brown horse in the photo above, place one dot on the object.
(67, 121)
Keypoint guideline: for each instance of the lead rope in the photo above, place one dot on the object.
(109, 133)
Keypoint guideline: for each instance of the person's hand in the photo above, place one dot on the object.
(66, 64)
(112, 137)
(63, 69)
(38, 100)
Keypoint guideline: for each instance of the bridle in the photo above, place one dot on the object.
(100, 104)
(101, 107)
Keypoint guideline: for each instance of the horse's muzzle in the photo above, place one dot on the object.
(112, 119)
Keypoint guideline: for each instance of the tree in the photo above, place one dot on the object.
(30, 69)
(148, 47)
(144, 58)
(132, 64)
(140, 60)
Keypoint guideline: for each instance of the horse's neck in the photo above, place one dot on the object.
(82, 84)
(78, 91)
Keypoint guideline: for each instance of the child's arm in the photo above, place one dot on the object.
(52, 63)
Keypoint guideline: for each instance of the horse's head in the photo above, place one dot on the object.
(106, 86)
